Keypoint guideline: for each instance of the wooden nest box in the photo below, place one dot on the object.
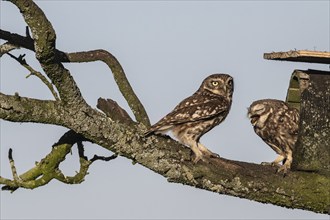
(309, 92)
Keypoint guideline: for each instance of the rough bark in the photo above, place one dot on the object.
(161, 154)
(312, 152)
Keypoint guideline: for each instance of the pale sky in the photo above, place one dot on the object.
(166, 49)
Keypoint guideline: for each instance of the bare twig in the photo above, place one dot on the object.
(96, 157)
(27, 32)
(81, 151)
(12, 165)
(33, 72)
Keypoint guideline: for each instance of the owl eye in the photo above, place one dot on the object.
(230, 82)
(215, 83)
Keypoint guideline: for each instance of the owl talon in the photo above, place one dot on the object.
(214, 155)
(273, 164)
(210, 154)
(284, 169)
(198, 158)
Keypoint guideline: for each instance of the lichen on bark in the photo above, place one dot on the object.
(312, 152)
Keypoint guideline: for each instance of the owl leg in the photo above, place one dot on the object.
(206, 151)
(287, 165)
(194, 147)
(278, 159)
(197, 152)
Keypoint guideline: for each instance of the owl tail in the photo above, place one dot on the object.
(148, 133)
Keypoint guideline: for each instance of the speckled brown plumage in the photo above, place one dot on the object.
(199, 113)
(277, 124)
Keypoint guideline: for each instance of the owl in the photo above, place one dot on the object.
(277, 124)
(198, 114)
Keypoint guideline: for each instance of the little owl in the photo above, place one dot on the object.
(277, 124)
(198, 114)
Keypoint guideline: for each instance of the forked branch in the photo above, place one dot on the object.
(119, 76)
(91, 56)
(48, 168)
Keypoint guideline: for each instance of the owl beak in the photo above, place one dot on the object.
(253, 117)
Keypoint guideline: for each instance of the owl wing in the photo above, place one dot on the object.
(190, 110)
(286, 132)
(295, 122)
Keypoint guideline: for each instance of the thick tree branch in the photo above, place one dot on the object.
(256, 182)
(42, 31)
(20, 109)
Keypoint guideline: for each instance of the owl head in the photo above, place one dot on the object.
(219, 84)
(260, 110)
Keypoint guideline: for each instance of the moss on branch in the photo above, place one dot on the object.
(48, 168)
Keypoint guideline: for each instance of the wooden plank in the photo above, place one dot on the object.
(300, 56)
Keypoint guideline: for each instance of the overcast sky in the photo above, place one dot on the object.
(166, 48)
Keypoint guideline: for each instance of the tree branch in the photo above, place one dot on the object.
(12, 165)
(33, 72)
(7, 47)
(17, 40)
(20, 109)
(91, 56)
(48, 168)
(45, 170)
(44, 45)
(114, 111)
(119, 76)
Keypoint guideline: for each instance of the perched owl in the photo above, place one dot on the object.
(277, 124)
(199, 113)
